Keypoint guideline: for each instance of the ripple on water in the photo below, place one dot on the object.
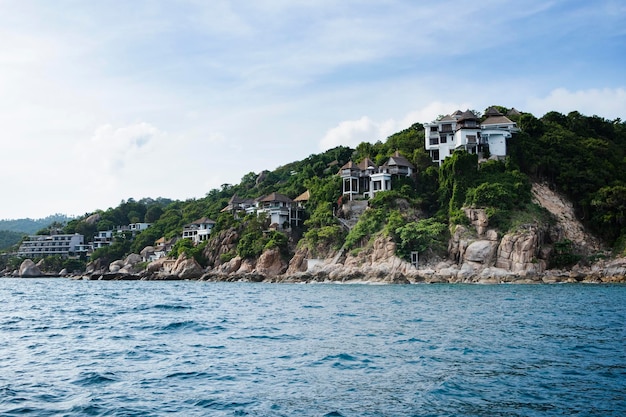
(186, 348)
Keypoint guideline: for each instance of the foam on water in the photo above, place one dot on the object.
(227, 349)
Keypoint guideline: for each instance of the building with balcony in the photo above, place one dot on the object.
(282, 211)
(63, 245)
(198, 231)
(365, 179)
(465, 131)
(102, 239)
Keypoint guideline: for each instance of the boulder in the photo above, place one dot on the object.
(115, 266)
(187, 268)
(480, 251)
(28, 269)
(271, 263)
(133, 259)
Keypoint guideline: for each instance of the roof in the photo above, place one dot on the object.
(468, 115)
(399, 160)
(275, 197)
(513, 112)
(447, 118)
(492, 111)
(305, 196)
(366, 163)
(497, 120)
(348, 165)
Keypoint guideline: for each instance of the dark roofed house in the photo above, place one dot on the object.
(399, 165)
(463, 131)
(237, 205)
(365, 179)
(280, 209)
(199, 230)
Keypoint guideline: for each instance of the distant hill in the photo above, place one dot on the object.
(31, 226)
(8, 239)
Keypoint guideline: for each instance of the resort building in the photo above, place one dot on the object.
(198, 231)
(365, 179)
(48, 245)
(465, 131)
(238, 206)
(282, 211)
(102, 239)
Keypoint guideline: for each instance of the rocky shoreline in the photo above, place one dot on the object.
(391, 271)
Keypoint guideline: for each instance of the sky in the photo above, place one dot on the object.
(106, 100)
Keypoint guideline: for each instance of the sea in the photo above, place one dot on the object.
(189, 348)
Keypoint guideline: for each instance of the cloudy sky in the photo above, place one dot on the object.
(105, 100)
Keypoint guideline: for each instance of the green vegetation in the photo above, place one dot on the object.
(8, 238)
(580, 156)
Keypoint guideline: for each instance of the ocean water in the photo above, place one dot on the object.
(76, 348)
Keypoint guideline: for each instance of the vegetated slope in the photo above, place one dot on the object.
(8, 239)
(31, 226)
(582, 157)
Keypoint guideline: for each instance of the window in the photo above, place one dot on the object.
(434, 141)
(433, 129)
(444, 138)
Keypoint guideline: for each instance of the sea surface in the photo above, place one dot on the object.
(94, 348)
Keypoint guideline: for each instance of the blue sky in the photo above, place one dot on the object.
(108, 100)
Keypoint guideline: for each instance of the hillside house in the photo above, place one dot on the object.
(365, 179)
(465, 131)
(282, 211)
(199, 230)
(238, 206)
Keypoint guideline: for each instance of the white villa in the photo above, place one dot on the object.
(48, 245)
(198, 231)
(106, 237)
(282, 211)
(464, 131)
(365, 179)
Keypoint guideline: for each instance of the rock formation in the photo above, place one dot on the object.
(28, 269)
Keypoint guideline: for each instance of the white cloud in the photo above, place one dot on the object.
(609, 103)
(352, 132)
(110, 150)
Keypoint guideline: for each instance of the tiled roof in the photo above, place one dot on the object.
(305, 196)
(497, 120)
(492, 111)
(348, 165)
(365, 164)
(399, 160)
(275, 197)
(468, 115)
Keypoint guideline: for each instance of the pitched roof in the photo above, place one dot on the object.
(348, 165)
(497, 120)
(305, 196)
(399, 160)
(492, 111)
(467, 115)
(275, 197)
(447, 118)
(366, 163)
(513, 112)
